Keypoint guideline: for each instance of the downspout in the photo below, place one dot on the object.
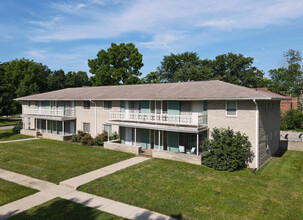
(95, 117)
(257, 134)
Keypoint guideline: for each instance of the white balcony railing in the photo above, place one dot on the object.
(53, 112)
(193, 119)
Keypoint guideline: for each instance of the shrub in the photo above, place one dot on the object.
(87, 139)
(292, 120)
(77, 137)
(227, 150)
(114, 136)
(99, 140)
(16, 129)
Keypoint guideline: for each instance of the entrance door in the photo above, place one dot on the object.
(152, 139)
(128, 136)
(164, 140)
(72, 127)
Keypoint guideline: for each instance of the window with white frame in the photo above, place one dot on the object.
(231, 108)
(107, 105)
(86, 127)
(107, 128)
(86, 105)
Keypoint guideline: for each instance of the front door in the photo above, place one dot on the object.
(128, 136)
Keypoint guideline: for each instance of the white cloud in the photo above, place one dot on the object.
(69, 8)
(164, 20)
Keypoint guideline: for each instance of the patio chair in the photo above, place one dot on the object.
(181, 149)
(192, 151)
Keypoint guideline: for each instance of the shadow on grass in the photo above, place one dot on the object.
(282, 148)
(61, 209)
(7, 121)
(6, 135)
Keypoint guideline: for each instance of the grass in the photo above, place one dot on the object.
(10, 191)
(8, 135)
(55, 161)
(8, 121)
(187, 191)
(61, 209)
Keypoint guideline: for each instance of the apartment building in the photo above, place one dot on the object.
(168, 120)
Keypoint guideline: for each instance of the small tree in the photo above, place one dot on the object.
(227, 150)
(292, 120)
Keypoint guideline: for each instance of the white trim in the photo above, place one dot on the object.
(231, 116)
(165, 99)
(257, 135)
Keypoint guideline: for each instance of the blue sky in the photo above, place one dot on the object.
(65, 34)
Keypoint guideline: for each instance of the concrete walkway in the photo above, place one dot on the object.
(50, 191)
(5, 127)
(78, 181)
(47, 192)
(27, 139)
(113, 207)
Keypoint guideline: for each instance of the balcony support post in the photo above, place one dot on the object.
(159, 139)
(135, 136)
(198, 144)
(62, 127)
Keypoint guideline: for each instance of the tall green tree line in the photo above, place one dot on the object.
(22, 77)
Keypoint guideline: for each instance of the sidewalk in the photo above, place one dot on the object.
(27, 139)
(78, 181)
(50, 191)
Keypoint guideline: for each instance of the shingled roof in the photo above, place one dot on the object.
(200, 90)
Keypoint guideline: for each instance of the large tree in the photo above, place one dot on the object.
(178, 64)
(288, 79)
(237, 69)
(56, 80)
(77, 79)
(119, 64)
(233, 68)
(21, 77)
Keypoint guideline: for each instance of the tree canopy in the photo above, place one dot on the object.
(119, 64)
(288, 79)
(232, 68)
(21, 77)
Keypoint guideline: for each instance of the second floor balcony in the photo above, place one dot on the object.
(190, 119)
(50, 111)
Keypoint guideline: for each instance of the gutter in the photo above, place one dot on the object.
(257, 135)
(95, 117)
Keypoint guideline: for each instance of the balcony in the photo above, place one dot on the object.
(50, 112)
(191, 119)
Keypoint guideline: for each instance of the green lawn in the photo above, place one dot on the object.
(8, 135)
(187, 191)
(8, 121)
(58, 209)
(10, 191)
(55, 161)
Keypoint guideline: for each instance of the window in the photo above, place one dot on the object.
(29, 104)
(86, 127)
(231, 108)
(107, 128)
(107, 105)
(86, 105)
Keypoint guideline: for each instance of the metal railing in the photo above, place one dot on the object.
(194, 119)
(45, 111)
